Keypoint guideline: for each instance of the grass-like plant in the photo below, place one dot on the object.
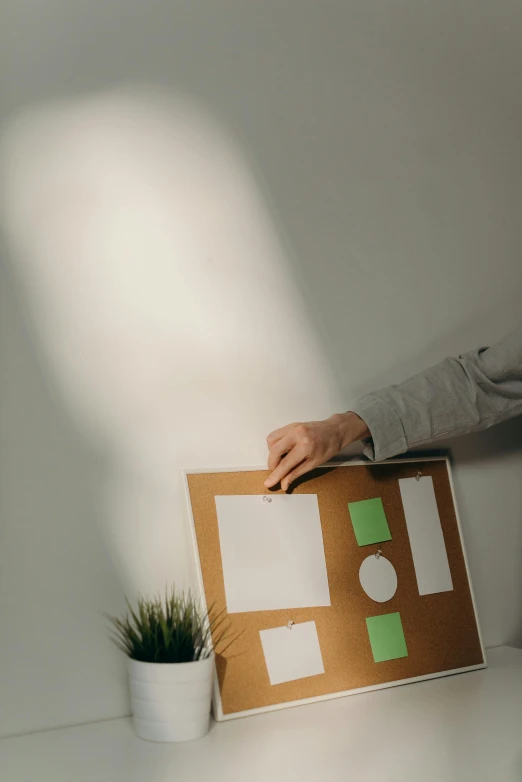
(170, 629)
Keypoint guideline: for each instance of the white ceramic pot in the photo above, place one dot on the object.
(171, 702)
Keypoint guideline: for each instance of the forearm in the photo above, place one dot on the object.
(458, 396)
(351, 428)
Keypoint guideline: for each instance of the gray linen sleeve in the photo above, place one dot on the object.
(457, 396)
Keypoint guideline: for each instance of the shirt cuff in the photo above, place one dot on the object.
(387, 432)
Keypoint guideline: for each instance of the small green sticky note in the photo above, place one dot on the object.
(369, 521)
(386, 637)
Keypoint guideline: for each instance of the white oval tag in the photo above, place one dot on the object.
(378, 578)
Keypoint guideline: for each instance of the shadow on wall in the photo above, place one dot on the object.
(162, 298)
(504, 439)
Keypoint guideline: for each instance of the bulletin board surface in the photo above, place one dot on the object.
(441, 630)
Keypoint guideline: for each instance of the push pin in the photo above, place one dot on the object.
(290, 624)
(378, 554)
(267, 499)
(418, 476)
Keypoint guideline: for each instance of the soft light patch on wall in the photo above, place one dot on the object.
(160, 290)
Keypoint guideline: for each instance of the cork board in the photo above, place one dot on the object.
(441, 630)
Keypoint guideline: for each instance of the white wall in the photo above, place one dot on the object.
(362, 156)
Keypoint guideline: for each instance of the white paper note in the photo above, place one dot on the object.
(292, 653)
(378, 578)
(425, 532)
(272, 552)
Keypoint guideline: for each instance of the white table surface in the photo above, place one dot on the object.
(465, 727)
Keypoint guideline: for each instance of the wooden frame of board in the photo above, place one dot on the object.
(203, 522)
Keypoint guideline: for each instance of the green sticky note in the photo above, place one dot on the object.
(369, 521)
(386, 637)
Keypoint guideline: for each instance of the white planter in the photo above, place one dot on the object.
(171, 702)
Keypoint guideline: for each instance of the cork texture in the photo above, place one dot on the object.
(440, 630)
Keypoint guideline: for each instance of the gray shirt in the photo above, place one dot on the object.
(457, 396)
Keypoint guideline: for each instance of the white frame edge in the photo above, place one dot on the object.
(216, 695)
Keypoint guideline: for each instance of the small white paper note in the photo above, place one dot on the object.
(272, 552)
(425, 532)
(292, 653)
(378, 578)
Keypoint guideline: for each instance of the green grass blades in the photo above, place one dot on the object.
(171, 629)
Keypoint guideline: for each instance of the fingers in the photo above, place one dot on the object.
(294, 457)
(303, 468)
(277, 450)
(300, 447)
(278, 434)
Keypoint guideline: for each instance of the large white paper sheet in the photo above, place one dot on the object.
(425, 532)
(272, 552)
(292, 653)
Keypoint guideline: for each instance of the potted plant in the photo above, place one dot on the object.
(169, 642)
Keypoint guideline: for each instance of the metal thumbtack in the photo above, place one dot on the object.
(267, 499)
(378, 554)
(290, 624)
(418, 476)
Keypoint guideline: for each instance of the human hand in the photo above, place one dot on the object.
(297, 448)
